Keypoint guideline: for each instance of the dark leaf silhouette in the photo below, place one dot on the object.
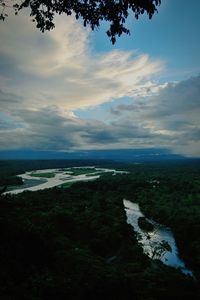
(91, 12)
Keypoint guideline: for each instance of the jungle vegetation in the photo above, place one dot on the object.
(74, 243)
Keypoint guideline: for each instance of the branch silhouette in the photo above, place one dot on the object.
(91, 12)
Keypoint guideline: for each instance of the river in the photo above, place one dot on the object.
(152, 242)
(60, 176)
(157, 244)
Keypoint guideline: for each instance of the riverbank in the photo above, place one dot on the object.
(76, 244)
(157, 243)
(48, 178)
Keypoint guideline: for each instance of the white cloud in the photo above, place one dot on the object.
(44, 77)
(59, 67)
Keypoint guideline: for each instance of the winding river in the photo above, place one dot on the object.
(33, 183)
(157, 244)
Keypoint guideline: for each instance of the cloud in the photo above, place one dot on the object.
(52, 129)
(168, 120)
(173, 114)
(44, 77)
(60, 68)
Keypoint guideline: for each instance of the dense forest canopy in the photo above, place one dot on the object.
(91, 12)
(75, 243)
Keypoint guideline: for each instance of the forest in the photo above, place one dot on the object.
(75, 243)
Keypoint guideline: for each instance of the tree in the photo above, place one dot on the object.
(92, 12)
(159, 249)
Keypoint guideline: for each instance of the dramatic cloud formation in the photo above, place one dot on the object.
(170, 120)
(59, 68)
(173, 114)
(44, 80)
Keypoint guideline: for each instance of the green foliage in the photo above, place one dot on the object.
(175, 201)
(10, 180)
(45, 175)
(80, 171)
(76, 244)
(144, 224)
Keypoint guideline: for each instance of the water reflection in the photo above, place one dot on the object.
(158, 244)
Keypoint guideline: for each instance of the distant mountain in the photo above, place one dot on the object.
(117, 154)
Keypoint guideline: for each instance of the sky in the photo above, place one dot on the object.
(71, 89)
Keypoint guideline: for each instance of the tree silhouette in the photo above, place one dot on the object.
(159, 249)
(92, 12)
(3, 190)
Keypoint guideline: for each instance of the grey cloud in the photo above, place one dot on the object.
(50, 129)
(173, 125)
(43, 129)
(123, 133)
(99, 136)
(178, 98)
(8, 98)
(176, 124)
(123, 108)
(172, 115)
